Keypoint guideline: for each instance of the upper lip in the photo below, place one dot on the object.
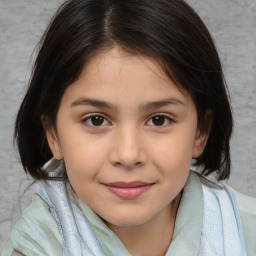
(121, 184)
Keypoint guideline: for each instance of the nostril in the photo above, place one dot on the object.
(127, 155)
(128, 166)
(138, 164)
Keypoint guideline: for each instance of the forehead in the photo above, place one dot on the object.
(120, 62)
(117, 75)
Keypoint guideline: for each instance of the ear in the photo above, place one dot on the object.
(199, 144)
(54, 143)
(52, 138)
(202, 136)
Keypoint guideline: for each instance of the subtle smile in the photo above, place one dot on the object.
(130, 190)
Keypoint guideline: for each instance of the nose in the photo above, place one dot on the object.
(127, 149)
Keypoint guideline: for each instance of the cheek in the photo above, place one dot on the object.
(83, 159)
(173, 160)
(174, 152)
(83, 164)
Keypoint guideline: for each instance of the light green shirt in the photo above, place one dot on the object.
(37, 232)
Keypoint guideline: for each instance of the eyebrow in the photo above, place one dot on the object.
(161, 103)
(143, 107)
(93, 102)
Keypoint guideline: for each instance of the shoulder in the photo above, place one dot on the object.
(247, 210)
(36, 233)
(246, 207)
(245, 203)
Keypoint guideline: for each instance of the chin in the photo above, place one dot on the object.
(127, 219)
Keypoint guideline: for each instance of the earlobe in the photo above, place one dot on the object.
(202, 135)
(52, 138)
(199, 144)
(54, 143)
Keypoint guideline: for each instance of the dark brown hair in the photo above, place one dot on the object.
(168, 30)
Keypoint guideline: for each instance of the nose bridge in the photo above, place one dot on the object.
(128, 147)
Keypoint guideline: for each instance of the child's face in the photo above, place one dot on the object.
(127, 136)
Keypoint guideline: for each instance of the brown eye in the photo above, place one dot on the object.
(96, 121)
(159, 120)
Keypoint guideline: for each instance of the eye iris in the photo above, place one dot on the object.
(97, 120)
(158, 120)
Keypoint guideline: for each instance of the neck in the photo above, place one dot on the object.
(152, 238)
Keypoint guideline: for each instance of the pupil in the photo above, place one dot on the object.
(97, 120)
(158, 120)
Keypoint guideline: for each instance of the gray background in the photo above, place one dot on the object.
(232, 24)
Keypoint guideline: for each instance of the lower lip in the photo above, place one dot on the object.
(130, 192)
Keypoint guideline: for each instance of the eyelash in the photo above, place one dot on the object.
(170, 121)
(87, 118)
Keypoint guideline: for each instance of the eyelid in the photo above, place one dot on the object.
(88, 116)
(171, 120)
(161, 114)
(92, 115)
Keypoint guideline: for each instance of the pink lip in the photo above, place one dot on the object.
(129, 190)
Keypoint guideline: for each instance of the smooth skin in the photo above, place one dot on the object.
(124, 120)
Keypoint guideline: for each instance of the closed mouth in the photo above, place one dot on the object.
(130, 190)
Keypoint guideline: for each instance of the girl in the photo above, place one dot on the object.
(123, 96)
